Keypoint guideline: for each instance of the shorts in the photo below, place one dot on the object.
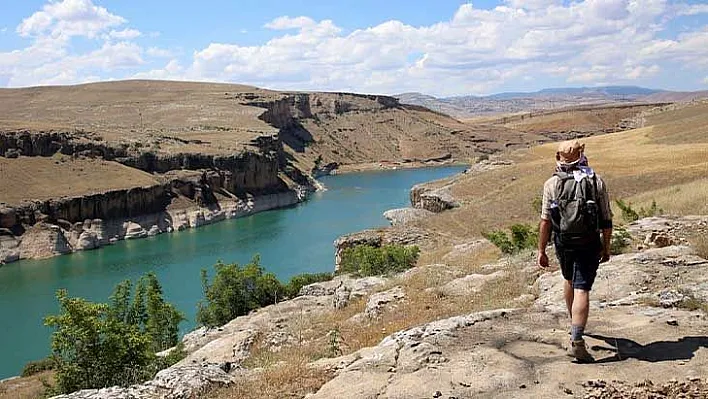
(579, 266)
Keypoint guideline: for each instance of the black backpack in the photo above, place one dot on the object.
(575, 213)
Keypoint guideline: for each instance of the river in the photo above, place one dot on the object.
(290, 241)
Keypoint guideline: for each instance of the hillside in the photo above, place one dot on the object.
(83, 166)
(666, 160)
(546, 99)
(468, 322)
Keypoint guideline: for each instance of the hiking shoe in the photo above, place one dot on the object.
(579, 351)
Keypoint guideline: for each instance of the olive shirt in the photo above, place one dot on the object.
(551, 192)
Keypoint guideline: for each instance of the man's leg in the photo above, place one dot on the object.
(568, 294)
(580, 311)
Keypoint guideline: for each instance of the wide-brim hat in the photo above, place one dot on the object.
(569, 152)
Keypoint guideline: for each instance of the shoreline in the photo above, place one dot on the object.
(51, 240)
(391, 166)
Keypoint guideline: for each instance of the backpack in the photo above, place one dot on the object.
(575, 213)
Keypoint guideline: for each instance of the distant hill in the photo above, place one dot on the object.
(546, 99)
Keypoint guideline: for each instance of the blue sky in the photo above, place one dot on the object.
(444, 47)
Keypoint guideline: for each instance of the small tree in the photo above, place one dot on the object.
(96, 345)
(93, 349)
(235, 291)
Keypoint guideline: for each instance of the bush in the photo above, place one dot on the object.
(235, 291)
(366, 260)
(523, 236)
(37, 366)
(630, 215)
(297, 282)
(621, 238)
(97, 345)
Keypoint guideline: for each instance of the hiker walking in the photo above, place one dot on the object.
(576, 208)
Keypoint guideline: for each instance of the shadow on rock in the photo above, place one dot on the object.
(659, 351)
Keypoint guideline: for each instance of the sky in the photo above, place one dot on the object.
(441, 47)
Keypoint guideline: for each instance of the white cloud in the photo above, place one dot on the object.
(69, 18)
(125, 34)
(3, 30)
(692, 9)
(286, 22)
(159, 52)
(475, 51)
(705, 80)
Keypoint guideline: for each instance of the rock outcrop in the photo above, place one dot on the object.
(403, 216)
(435, 200)
(377, 238)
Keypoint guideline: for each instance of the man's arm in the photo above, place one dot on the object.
(605, 221)
(606, 240)
(544, 236)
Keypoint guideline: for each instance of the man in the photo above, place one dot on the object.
(575, 208)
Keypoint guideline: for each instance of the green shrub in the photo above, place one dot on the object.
(621, 238)
(523, 236)
(97, 345)
(630, 215)
(501, 240)
(297, 282)
(37, 366)
(366, 260)
(235, 291)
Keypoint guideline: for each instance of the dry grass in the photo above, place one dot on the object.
(699, 242)
(26, 388)
(45, 178)
(581, 119)
(286, 373)
(637, 166)
(288, 380)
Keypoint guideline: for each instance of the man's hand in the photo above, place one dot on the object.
(542, 259)
(604, 255)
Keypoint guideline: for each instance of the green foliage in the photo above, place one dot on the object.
(501, 240)
(297, 282)
(621, 238)
(629, 214)
(93, 349)
(365, 260)
(37, 366)
(522, 236)
(97, 345)
(235, 291)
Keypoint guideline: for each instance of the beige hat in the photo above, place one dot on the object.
(569, 152)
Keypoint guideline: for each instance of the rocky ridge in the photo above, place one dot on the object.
(638, 340)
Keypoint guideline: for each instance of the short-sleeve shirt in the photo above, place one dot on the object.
(551, 191)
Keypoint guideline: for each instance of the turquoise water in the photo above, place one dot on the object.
(290, 241)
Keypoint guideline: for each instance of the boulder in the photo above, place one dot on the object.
(403, 216)
(468, 285)
(154, 230)
(43, 240)
(381, 301)
(87, 240)
(342, 296)
(435, 200)
(8, 217)
(134, 230)
(9, 249)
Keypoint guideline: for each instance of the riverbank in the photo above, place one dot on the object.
(44, 239)
(293, 240)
